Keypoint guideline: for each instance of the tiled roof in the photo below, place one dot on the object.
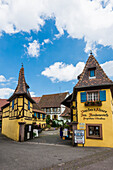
(36, 108)
(52, 100)
(3, 102)
(66, 113)
(22, 87)
(36, 99)
(100, 76)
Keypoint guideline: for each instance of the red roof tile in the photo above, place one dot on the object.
(100, 76)
(36, 99)
(3, 102)
(52, 100)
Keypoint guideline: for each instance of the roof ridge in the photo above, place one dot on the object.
(54, 94)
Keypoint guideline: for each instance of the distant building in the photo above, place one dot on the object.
(2, 103)
(51, 105)
(66, 115)
(21, 113)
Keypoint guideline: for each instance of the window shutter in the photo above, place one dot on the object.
(13, 104)
(103, 95)
(28, 105)
(92, 73)
(83, 97)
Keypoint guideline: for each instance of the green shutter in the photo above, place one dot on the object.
(83, 97)
(103, 95)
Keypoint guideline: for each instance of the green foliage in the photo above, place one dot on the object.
(66, 126)
(54, 123)
(34, 134)
(48, 119)
(48, 126)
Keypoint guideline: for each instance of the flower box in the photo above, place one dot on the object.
(93, 103)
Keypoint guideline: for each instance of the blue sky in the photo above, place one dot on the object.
(53, 43)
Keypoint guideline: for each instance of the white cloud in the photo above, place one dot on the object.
(81, 19)
(108, 67)
(5, 92)
(29, 38)
(46, 41)
(32, 94)
(2, 78)
(60, 71)
(33, 49)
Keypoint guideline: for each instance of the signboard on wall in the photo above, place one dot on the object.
(79, 136)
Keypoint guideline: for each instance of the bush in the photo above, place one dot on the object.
(48, 119)
(54, 123)
(48, 126)
(66, 126)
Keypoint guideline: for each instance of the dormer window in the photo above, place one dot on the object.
(92, 73)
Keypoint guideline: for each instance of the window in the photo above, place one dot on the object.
(55, 116)
(92, 73)
(58, 109)
(35, 114)
(43, 116)
(94, 131)
(55, 109)
(48, 110)
(44, 109)
(28, 105)
(92, 96)
(12, 104)
(38, 115)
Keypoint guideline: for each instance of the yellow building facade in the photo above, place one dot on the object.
(91, 106)
(18, 118)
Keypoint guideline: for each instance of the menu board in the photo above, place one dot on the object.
(79, 136)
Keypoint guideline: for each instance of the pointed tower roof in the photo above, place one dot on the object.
(22, 87)
(100, 76)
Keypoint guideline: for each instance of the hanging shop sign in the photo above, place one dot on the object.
(79, 136)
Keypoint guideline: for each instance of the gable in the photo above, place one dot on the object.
(100, 77)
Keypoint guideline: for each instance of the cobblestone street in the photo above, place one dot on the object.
(51, 137)
(50, 152)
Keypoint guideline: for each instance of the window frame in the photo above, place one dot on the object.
(93, 136)
(93, 91)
